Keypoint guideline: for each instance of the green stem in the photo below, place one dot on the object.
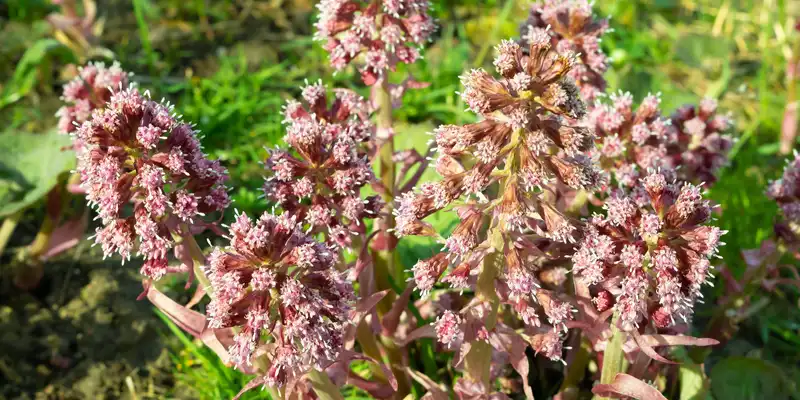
(42, 239)
(613, 356)
(576, 368)
(384, 259)
(9, 224)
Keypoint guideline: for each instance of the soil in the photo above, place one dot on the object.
(81, 334)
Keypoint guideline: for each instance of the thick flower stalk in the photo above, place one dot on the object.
(378, 34)
(498, 175)
(320, 181)
(631, 142)
(90, 90)
(573, 27)
(137, 153)
(279, 288)
(649, 262)
(700, 142)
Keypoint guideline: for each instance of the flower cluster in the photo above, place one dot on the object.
(700, 143)
(525, 143)
(90, 90)
(385, 32)
(786, 193)
(649, 262)
(631, 142)
(572, 27)
(136, 151)
(276, 283)
(321, 183)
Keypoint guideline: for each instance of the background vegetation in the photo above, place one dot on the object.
(230, 65)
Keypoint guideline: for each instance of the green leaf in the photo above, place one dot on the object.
(26, 73)
(692, 382)
(30, 165)
(743, 378)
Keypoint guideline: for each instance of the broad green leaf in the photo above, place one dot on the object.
(30, 165)
(743, 378)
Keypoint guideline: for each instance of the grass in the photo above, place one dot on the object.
(231, 79)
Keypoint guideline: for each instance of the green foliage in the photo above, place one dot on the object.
(238, 113)
(30, 165)
(35, 63)
(201, 371)
(742, 378)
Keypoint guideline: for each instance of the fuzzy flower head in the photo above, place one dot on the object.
(631, 141)
(90, 90)
(525, 135)
(571, 26)
(378, 34)
(661, 251)
(135, 152)
(278, 284)
(702, 141)
(495, 176)
(320, 179)
(786, 193)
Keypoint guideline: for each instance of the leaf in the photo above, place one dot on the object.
(30, 165)
(363, 307)
(435, 392)
(693, 382)
(66, 236)
(743, 378)
(190, 321)
(424, 331)
(674, 340)
(392, 318)
(648, 349)
(626, 385)
(27, 70)
(512, 343)
(323, 387)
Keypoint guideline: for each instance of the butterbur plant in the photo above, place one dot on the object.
(523, 277)
(701, 141)
(573, 27)
(91, 89)
(275, 281)
(377, 35)
(321, 185)
(504, 167)
(145, 173)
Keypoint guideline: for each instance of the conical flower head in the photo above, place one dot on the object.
(378, 34)
(136, 152)
(657, 254)
(571, 26)
(319, 179)
(275, 282)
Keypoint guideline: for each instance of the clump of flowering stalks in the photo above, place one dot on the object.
(631, 141)
(648, 262)
(573, 27)
(137, 153)
(280, 288)
(498, 174)
(90, 90)
(700, 142)
(320, 183)
(380, 34)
